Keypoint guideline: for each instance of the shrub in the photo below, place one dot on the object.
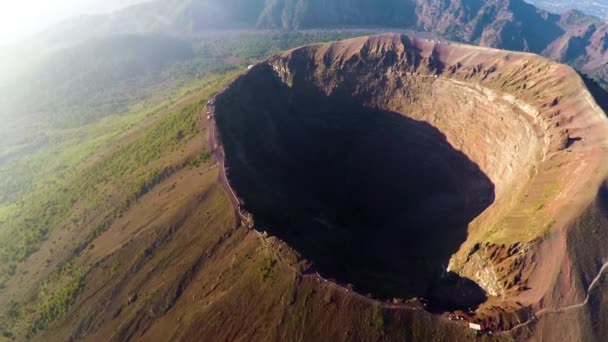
(267, 267)
(200, 159)
(57, 304)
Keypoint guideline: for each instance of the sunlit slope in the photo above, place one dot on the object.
(65, 182)
(406, 156)
(143, 242)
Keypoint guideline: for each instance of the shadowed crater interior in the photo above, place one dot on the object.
(371, 197)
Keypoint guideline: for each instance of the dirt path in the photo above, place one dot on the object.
(550, 311)
(361, 297)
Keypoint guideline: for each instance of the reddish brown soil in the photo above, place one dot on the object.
(530, 125)
(178, 266)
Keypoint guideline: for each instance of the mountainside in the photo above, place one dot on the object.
(271, 220)
(572, 37)
(170, 17)
(193, 170)
(385, 160)
(91, 79)
(70, 169)
(597, 8)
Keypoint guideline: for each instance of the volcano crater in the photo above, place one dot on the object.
(378, 159)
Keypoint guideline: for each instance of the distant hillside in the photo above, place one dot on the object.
(175, 17)
(571, 37)
(598, 8)
(96, 77)
(105, 75)
(103, 62)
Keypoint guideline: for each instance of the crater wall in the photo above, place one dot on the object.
(417, 168)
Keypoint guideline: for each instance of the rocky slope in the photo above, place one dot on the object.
(474, 174)
(530, 185)
(571, 37)
(172, 261)
(591, 7)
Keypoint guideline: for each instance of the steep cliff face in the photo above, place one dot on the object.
(302, 14)
(572, 37)
(468, 176)
(525, 126)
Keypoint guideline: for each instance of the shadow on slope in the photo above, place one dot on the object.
(372, 197)
(600, 95)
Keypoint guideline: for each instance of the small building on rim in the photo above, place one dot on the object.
(475, 326)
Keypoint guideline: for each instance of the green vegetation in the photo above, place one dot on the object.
(267, 267)
(66, 148)
(51, 300)
(72, 163)
(530, 209)
(200, 159)
(87, 82)
(90, 161)
(376, 319)
(81, 84)
(250, 47)
(58, 303)
(113, 182)
(113, 268)
(128, 160)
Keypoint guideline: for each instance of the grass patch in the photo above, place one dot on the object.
(54, 168)
(376, 318)
(57, 303)
(98, 169)
(267, 268)
(530, 209)
(200, 159)
(112, 182)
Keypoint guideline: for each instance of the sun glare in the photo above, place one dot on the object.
(18, 19)
(22, 18)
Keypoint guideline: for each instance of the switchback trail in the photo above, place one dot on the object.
(550, 311)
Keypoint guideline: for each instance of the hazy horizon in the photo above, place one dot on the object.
(21, 19)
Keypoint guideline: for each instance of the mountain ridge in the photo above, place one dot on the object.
(572, 37)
